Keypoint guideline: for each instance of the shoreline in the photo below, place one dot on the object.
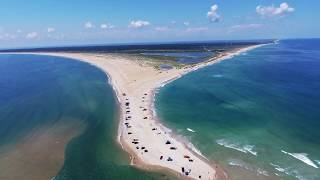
(134, 85)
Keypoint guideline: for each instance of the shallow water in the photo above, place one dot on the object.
(257, 114)
(58, 118)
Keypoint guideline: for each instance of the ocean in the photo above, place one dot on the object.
(58, 120)
(256, 114)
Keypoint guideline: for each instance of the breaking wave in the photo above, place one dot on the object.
(302, 157)
(191, 130)
(237, 146)
(187, 141)
(290, 171)
(193, 148)
(246, 166)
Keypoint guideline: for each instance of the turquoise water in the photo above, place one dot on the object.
(257, 114)
(47, 94)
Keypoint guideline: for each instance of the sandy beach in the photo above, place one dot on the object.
(150, 144)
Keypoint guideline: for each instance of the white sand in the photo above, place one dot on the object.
(135, 79)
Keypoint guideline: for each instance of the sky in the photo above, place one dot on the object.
(37, 23)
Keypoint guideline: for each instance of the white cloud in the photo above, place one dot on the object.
(32, 35)
(88, 25)
(186, 23)
(197, 29)
(241, 27)
(173, 22)
(103, 26)
(8, 36)
(139, 24)
(51, 29)
(106, 26)
(161, 29)
(213, 15)
(272, 11)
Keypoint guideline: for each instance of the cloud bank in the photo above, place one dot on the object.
(51, 29)
(272, 11)
(32, 35)
(106, 26)
(139, 24)
(88, 25)
(242, 27)
(186, 23)
(197, 29)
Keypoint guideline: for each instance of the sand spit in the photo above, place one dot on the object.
(151, 145)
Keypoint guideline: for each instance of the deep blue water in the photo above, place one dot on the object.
(257, 113)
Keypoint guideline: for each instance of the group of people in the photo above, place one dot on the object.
(143, 149)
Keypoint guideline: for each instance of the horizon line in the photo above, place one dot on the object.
(148, 43)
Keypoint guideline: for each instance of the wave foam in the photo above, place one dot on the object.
(249, 148)
(279, 168)
(302, 157)
(246, 166)
(290, 171)
(165, 129)
(193, 148)
(235, 162)
(191, 130)
(187, 142)
(236, 146)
